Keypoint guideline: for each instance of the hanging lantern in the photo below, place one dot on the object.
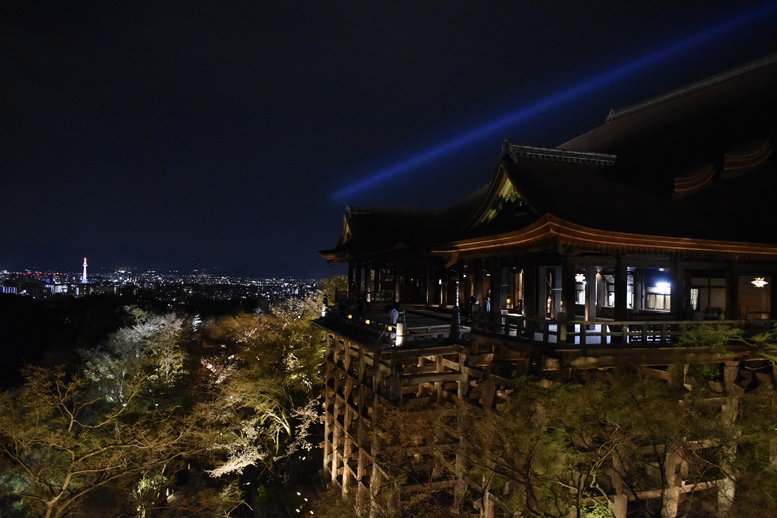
(759, 282)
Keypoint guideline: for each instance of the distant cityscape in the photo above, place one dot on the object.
(169, 285)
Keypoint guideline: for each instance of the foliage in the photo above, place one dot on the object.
(710, 335)
(151, 348)
(331, 285)
(266, 371)
(163, 416)
(766, 342)
(560, 449)
(61, 443)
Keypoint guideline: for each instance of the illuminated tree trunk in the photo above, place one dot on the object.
(727, 485)
(671, 494)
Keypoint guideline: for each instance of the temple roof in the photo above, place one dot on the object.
(374, 230)
(690, 167)
(662, 138)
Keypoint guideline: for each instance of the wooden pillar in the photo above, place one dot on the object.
(397, 284)
(590, 293)
(542, 292)
(499, 302)
(358, 282)
(732, 292)
(347, 441)
(456, 302)
(639, 288)
(530, 281)
(475, 283)
(465, 280)
(444, 287)
(368, 284)
(621, 289)
(495, 284)
(601, 291)
(568, 287)
(337, 433)
(555, 293)
(568, 293)
(680, 291)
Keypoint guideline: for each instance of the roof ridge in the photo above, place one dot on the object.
(516, 152)
(364, 209)
(698, 85)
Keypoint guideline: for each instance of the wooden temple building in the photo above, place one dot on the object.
(570, 258)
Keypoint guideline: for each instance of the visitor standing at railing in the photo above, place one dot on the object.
(394, 314)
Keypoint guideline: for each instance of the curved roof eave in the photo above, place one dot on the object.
(555, 231)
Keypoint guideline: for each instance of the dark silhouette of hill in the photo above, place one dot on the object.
(47, 332)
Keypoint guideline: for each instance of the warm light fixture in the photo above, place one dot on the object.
(759, 282)
(579, 277)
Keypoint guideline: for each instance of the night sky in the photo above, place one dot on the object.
(230, 135)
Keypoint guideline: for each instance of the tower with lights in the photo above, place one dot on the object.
(83, 275)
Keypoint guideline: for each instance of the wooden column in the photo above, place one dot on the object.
(456, 302)
(732, 293)
(479, 283)
(429, 297)
(499, 287)
(590, 293)
(358, 282)
(542, 292)
(568, 290)
(556, 289)
(368, 284)
(568, 287)
(530, 280)
(397, 284)
(621, 284)
(772, 297)
(680, 290)
(444, 287)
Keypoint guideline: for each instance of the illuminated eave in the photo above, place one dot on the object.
(551, 230)
(333, 257)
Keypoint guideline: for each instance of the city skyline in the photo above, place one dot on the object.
(104, 272)
(230, 137)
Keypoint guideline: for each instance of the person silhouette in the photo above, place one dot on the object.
(394, 314)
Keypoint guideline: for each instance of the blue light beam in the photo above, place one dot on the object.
(559, 98)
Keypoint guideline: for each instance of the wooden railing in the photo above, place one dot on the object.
(558, 334)
(602, 333)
